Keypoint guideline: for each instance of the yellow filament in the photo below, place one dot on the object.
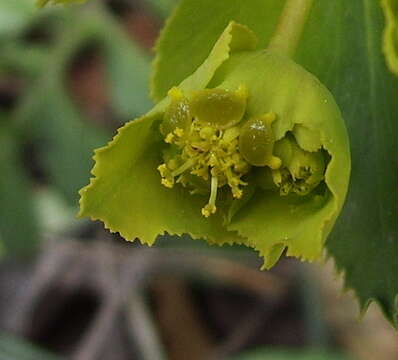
(187, 165)
(211, 208)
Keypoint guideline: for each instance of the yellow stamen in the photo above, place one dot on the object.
(179, 132)
(211, 208)
(167, 178)
(231, 134)
(184, 167)
(206, 152)
(169, 138)
(175, 93)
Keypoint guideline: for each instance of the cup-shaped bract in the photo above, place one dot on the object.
(199, 161)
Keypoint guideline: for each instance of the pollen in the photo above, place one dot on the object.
(166, 174)
(179, 132)
(209, 155)
(169, 138)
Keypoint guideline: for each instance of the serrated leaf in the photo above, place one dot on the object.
(343, 47)
(126, 180)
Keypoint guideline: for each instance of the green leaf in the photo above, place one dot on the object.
(343, 47)
(178, 55)
(127, 70)
(18, 226)
(22, 59)
(66, 139)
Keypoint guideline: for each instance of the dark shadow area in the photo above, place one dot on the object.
(62, 317)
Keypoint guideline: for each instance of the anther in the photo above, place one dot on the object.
(211, 208)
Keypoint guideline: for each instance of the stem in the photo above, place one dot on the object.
(290, 27)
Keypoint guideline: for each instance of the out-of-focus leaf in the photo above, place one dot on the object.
(343, 47)
(18, 226)
(270, 354)
(22, 59)
(12, 348)
(65, 139)
(14, 15)
(194, 28)
(47, 114)
(127, 71)
(162, 7)
(54, 214)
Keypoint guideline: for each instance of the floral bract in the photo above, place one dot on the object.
(250, 149)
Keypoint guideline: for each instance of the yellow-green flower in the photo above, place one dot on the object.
(250, 149)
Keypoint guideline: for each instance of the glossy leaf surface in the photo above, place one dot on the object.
(19, 233)
(365, 242)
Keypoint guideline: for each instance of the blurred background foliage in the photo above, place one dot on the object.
(69, 77)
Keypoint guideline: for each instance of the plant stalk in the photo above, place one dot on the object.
(290, 27)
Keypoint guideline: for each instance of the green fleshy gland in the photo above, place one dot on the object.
(239, 115)
(257, 140)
